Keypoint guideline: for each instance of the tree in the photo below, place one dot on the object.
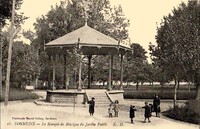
(150, 73)
(6, 9)
(177, 50)
(135, 65)
(67, 17)
(9, 54)
(24, 62)
(5, 13)
(100, 69)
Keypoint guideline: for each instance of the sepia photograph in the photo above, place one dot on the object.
(104, 64)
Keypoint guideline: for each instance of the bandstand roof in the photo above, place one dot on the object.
(90, 41)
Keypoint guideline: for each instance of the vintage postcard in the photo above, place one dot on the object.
(99, 64)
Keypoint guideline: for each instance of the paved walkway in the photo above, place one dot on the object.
(28, 115)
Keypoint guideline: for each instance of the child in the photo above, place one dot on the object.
(91, 106)
(110, 111)
(151, 108)
(132, 113)
(147, 112)
(116, 108)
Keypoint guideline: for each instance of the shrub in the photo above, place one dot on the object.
(18, 94)
(181, 95)
(188, 113)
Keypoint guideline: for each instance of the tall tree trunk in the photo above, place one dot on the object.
(67, 80)
(178, 87)
(197, 81)
(1, 65)
(137, 85)
(36, 81)
(198, 92)
(162, 87)
(175, 90)
(9, 55)
(189, 86)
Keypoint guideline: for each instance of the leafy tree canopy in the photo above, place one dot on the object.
(178, 44)
(6, 10)
(68, 16)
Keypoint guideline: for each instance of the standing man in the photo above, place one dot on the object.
(156, 105)
(91, 106)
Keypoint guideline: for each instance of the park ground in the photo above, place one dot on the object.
(28, 115)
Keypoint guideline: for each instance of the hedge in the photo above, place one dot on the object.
(181, 95)
(18, 94)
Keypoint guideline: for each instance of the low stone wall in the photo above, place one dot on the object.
(78, 97)
(116, 95)
(65, 97)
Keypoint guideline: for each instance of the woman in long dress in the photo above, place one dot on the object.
(156, 105)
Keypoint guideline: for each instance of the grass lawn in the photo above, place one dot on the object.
(181, 95)
(18, 94)
(166, 92)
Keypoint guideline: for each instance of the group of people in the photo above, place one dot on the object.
(148, 109)
(113, 109)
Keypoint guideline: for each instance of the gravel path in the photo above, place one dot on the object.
(28, 115)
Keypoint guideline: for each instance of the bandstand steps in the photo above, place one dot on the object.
(101, 99)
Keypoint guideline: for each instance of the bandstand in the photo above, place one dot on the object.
(89, 42)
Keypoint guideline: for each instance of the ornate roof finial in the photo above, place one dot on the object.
(86, 16)
(86, 8)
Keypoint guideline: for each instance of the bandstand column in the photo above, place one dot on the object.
(121, 72)
(54, 71)
(79, 73)
(110, 72)
(89, 71)
(65, 71)
(112, 57)
(49, 72)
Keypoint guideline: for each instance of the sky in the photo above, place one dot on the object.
(144, 15)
